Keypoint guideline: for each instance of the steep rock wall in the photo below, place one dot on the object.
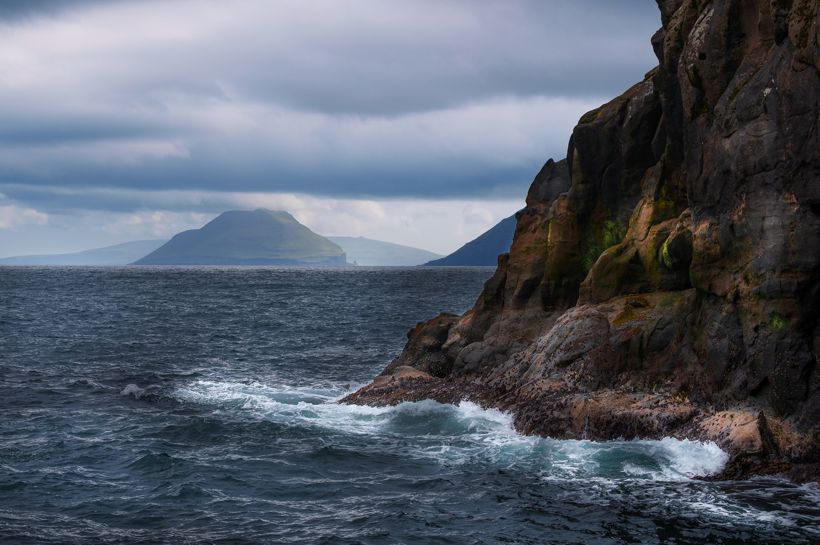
(664, 279)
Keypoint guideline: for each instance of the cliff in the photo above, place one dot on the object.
(664, 279)
(240, 237)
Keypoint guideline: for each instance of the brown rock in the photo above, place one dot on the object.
(665, 278)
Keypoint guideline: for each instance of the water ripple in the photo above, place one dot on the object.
(200, 406)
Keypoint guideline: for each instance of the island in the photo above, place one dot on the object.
(248, 237)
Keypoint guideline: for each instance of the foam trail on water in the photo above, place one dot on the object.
(461, 434)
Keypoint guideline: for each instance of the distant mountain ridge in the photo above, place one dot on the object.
(266, 237)
(118, 254)
(378, 253)
(240, 237)
(481, 251)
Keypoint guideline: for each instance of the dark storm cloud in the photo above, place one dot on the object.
(17, 133)
(524, 49)
(438, 178)
(344, 98)
(18, 9)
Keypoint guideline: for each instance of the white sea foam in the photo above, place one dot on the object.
(132, 390)
(690, 458)
(137, 392)
(462, 434)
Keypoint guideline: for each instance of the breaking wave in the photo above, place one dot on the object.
(460, 434)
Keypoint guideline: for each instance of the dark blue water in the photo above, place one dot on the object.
(197, 406)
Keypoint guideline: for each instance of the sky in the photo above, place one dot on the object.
(420, 122)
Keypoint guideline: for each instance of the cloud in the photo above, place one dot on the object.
(477, 150)
(361, 100)
(409, 98)
(12, 215)
(22, 9)
(154, 224)
(437, 225)
(362, 57)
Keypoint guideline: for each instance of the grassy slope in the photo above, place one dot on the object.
(257, 236)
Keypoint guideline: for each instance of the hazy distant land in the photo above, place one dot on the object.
(267, 237)
(483, 250)
(118, 254)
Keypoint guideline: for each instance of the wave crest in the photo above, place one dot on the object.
(460, 434)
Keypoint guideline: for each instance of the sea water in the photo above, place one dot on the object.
(199, 405)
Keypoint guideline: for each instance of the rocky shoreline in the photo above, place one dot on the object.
(557, 409)
(664, 279)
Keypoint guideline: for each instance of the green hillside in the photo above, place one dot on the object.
(258, 237)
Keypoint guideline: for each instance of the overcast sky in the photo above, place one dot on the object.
(415, 121)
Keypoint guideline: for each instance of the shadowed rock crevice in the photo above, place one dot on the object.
(663, 279)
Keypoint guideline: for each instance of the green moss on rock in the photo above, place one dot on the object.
(609, 233)
(665, 257)
(778, 322)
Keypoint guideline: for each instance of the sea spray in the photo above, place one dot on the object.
(460, 434)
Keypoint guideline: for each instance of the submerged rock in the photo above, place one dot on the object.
(664, 279)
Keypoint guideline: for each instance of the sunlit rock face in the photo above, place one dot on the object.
(664, 279)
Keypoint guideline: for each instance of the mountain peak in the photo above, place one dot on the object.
(248, 237)
(276, 214)
(483, 250)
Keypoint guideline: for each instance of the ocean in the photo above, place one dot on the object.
(198, 405)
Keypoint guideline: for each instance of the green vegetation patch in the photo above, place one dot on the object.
(630, 314)
(610, 233)
(665, 257)
(663, 209)
(670, 299)
(778, 322)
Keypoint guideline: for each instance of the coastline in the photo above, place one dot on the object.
(663, 279)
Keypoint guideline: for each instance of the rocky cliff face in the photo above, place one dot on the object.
(664, 278)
